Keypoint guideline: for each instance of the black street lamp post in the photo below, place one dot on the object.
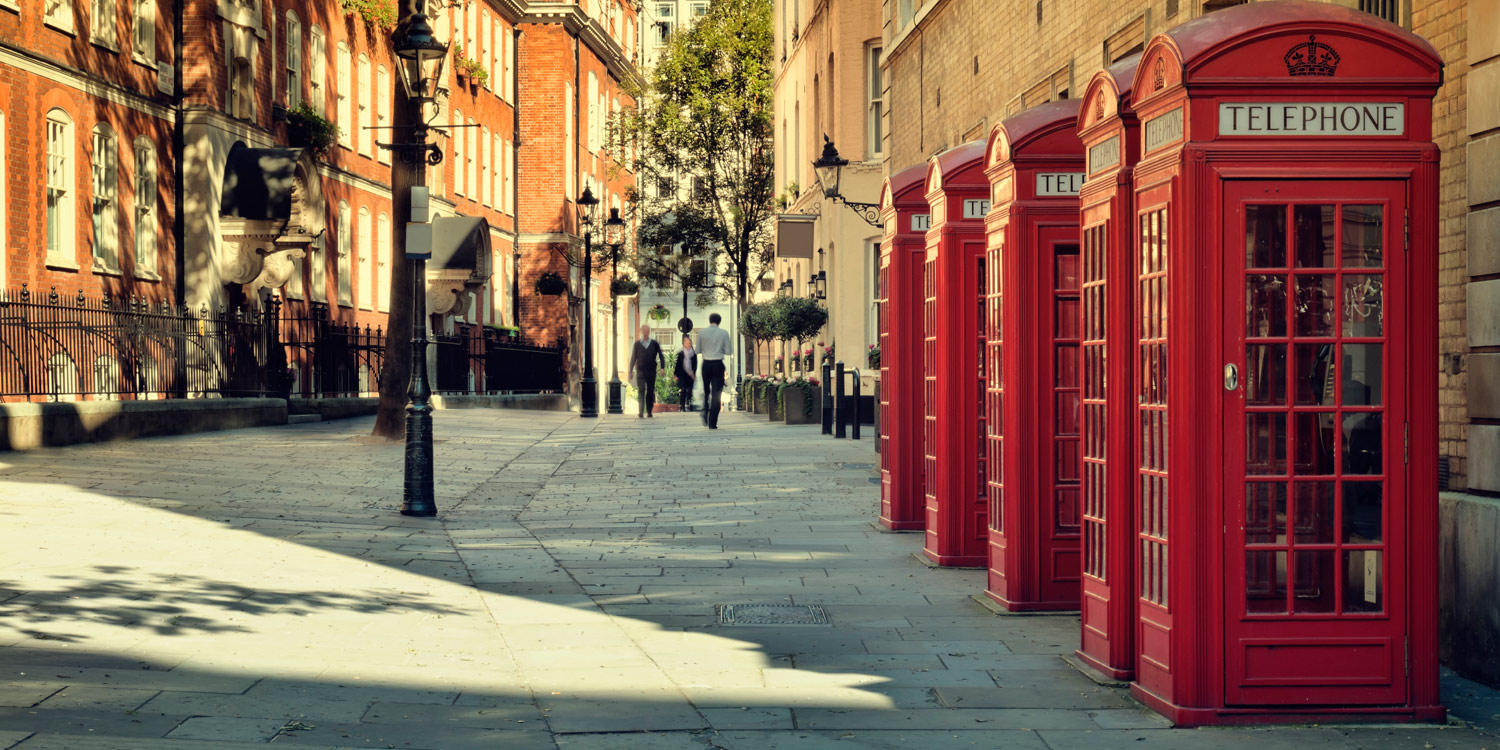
(421, 61)
(588, 387)
(614, 238)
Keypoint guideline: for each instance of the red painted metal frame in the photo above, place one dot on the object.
(1034, 321)
(1189, 518)
(1110, 135)
(904, 211)
(953, 395)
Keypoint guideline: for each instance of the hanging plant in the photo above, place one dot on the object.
(307, 128)
(872, 357)
(624, 286)
(382, 13)
(658, 312)
(551, 284)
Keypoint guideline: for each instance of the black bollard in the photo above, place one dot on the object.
(840, 408)
(854, 431)
(827, 397)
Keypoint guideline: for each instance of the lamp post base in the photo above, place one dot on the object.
(613, 405)
(588, 396)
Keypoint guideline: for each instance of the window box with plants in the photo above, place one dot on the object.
(381, 13)
(307, 128)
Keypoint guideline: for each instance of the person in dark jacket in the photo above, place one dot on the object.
(643, 358)
(686, 372)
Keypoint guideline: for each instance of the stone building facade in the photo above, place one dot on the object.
(954, 68)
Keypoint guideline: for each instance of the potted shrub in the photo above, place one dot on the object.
(382, 13)
(550, 284)
(624, 286)
(798, 399)
(309, 129)
(666, 391)
(872, 357)
(658, 312)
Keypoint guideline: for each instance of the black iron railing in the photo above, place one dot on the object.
(59, 348)
(326, 357)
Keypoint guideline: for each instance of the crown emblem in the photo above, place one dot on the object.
(1313, 58)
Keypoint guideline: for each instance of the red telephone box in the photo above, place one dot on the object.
(1035, 167)
(903, 210)
(952, 353)
(1286, 402)
(1110, 135)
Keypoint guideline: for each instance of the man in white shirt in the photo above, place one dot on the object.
(713, 347)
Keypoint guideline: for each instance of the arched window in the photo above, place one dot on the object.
(106, 379)
(459, 149)
(345, 249)
(62, 377)
(61, 235)
(293, 60)
(105, 168)
(345, 110)
(145, 199)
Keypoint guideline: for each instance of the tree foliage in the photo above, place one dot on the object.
(704, 120)
(786, 318)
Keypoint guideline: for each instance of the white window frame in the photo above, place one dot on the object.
(144, 198)
(61, 192)
(875, 106)
(104, 168)
(364, 103)
(317, 265)
(471, 154)
(497, 171)
(317, 78)
(293, 60)
(345, 109)
(104, 24)
(143, 32)
(58, 14)
(345, 248)
(383, 262)
(459, 150)
(486, 184)
(593, 113)
(382, 111)
(363, 246)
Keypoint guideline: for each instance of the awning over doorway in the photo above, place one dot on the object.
(460, 243)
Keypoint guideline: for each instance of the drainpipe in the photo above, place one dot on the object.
(179, 147)
(515, 175)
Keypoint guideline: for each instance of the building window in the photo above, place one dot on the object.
(362, 260)
(143, 31)
(106, 193)
(102, 26)
(497, 174)
(1390, 10)
(700, 10)
(383, 110)
(58, 14)
(241, 87)
(486, 188)
(317, 69)
(665, 187)
(317, 274)
(293, 60)
(471, 154)
(663, 32)
(875, 128)
(60, 206)
(593, 113)
(345, 110)
(145, 208)
(383, 267)
(700, 188)
(458, 153)
(365, 140)
(345, 250)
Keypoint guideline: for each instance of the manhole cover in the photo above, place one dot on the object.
(772, 614)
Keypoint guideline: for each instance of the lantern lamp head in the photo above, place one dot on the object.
(614, 229)
(421, 58)
(828, 168)
(586, 205)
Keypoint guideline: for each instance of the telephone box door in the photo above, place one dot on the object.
(1315, 416)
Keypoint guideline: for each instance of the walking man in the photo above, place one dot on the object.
(643, 359)
(713, 347)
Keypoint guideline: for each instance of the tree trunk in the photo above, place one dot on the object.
(395, 370)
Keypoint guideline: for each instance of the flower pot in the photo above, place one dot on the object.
(665, 408)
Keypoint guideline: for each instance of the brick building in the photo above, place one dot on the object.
(954, 68)
(97, 112)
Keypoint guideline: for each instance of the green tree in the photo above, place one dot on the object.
(704, 121)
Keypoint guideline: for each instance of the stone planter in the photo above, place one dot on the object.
(773, 408)
(665, 408)
(794, 408)
(761, 392)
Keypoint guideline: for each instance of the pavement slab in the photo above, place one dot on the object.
(205, 592)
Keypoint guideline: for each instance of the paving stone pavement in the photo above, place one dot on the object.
(211, 591)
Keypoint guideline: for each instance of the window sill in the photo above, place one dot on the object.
(106, 271)
(11, 5)
(349, 304)
(60, 28)
(142, 61)
(60, 264)
(105, 45)
(147, 276)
